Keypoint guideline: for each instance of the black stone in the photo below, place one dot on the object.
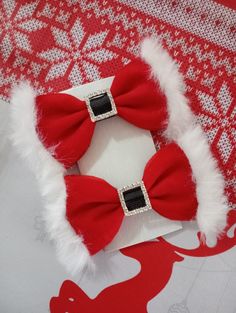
(134, 199)
(100, 104)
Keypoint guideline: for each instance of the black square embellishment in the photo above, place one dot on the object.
(134, 198)
(101, 105)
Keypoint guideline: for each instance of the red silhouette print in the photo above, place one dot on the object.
(157, 260)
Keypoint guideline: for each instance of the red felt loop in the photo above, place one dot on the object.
(93, 210)
(169, 182)
(64, 126)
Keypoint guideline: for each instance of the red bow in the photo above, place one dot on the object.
(64, 123)
(94, 208)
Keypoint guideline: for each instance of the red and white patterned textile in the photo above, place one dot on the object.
(59, 44)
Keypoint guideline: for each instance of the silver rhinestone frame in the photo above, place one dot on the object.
(103, 116)
(145, 194)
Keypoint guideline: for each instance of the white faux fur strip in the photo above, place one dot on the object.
(4, 123)
(49, 173)
(212, 203)
(165, 72)
(212, 209)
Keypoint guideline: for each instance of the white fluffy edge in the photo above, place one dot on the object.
(182, 128)
(4, 108)
(212, 204)
(71, 251)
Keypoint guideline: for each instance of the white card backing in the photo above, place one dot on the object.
(118, 153)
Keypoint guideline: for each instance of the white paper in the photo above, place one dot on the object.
(118, 153)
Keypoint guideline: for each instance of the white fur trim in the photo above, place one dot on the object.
(212, 203)
(165, 72)
(4, 145)
(49, 173)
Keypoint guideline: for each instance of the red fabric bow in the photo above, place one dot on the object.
(93, 205)
(64, 124)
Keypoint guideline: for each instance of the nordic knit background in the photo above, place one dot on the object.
(59, 44)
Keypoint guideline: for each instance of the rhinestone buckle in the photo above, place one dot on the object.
(94, 95)
(135, 187)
